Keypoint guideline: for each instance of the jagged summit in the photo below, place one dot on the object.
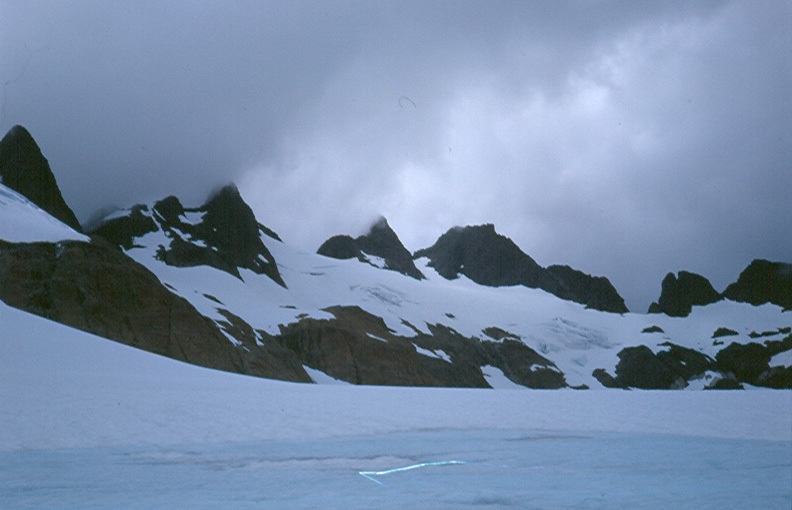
(491, 259)
(680, 293)
(222, 233)
(381, 223)
(486, 257)
(380, 241)
(763, 282)
(759, 283)
(24, 169)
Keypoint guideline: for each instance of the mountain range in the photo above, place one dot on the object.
(212, 286)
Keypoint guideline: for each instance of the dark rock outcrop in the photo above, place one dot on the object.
(523, 365)
(595, 292)
(341, 247)
(746, 361)
(673, 367)
(381, 241)
(763, 282)
(728, 382)
(680, 293)
(97, 288)
(488, 258)
(750, 363)
(225, 235)
(683, 362)
(639, 367)
(123, 230)
(24, 169)
(607, 380)
(721, 331)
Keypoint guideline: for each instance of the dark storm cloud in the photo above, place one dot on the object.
(623, 138)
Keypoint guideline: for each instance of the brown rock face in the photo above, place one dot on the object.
(96, 288)
(344, 349)
(358, 347)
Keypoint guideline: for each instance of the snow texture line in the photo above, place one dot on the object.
(371, 474)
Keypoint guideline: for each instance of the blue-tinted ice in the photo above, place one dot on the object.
(455, 469)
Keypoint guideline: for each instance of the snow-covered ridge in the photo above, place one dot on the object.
(575, 339)
(25, 222)
(433, 325)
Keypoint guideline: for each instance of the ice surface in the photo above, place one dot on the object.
(451, 469)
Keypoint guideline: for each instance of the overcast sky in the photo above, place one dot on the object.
(626, 139)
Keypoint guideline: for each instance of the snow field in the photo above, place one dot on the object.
(63, 388)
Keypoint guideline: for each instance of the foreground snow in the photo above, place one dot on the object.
(89, 422)
(64, 388)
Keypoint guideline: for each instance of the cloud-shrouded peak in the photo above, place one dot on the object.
(381, 242)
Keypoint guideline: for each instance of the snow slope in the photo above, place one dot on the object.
(24, 222)
(63, 388)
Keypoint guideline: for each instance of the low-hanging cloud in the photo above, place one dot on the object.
(622, 138)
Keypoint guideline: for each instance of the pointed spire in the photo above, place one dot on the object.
(24, 169)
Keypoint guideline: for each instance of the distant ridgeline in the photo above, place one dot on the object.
(211, 285)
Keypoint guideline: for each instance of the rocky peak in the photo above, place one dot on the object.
(170, 209)
(763, 282)
(24, 169)
(680, 293)
(380, 241)
(230, 226)
(489, 258)
(223, 233)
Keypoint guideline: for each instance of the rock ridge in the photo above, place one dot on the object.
(489, 258)
(380, 241)
(223, 233)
